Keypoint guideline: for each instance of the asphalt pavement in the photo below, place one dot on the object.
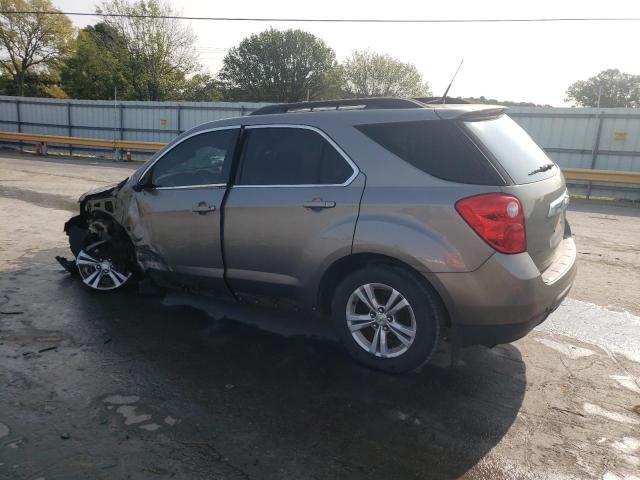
(129, 386)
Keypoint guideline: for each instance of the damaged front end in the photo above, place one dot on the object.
(103, 252)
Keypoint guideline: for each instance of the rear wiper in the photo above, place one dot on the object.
(543, 168)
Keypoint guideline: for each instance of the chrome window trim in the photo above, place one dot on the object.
(342, 153)
(182, 187)
(199, 132)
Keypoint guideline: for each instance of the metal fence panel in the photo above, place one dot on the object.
(97, 117)
(9, 116)
(47, 114)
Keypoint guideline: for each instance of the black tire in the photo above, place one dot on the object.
(427, 308)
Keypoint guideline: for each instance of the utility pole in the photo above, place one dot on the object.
(116, 151)
(596, 143)
(115, 111)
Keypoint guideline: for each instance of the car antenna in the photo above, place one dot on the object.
(444, 97)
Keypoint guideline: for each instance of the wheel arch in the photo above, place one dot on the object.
(78, 227)
(343, 266)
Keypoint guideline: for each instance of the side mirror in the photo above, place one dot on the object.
(145, 185)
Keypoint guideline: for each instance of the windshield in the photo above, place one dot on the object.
(519, 155)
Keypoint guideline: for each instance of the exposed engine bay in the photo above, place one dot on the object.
(103, 251)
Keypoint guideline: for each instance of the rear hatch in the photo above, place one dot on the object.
(532, 177)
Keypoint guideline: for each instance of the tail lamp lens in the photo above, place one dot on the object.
(497, 218)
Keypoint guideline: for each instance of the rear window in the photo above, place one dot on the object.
(518, 154)
(437, 147)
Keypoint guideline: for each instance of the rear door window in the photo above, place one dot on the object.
(518, 154)
(437, 147)
(291, 156)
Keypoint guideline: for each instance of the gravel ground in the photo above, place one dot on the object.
(608, 238)
(124, 386)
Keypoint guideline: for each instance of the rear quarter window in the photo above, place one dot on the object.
(437, 147)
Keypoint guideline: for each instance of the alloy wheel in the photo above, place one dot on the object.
(381, 320)
(97, 269)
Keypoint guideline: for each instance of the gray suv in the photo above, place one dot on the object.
(409, 225)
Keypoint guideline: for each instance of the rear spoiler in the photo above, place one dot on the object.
(472, 113)
(373, 103)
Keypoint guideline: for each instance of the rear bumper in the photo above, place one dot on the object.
(507, 296)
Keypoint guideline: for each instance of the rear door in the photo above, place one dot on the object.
(294, 207)
(537, 182)
(180, 208)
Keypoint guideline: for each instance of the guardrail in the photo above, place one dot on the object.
(117, 145)
(603, 176)
(583, 174)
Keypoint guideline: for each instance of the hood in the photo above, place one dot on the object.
(102, 190)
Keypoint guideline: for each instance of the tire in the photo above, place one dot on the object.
(424, 315)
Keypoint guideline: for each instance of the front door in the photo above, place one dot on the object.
(180, 208)
(293, 208)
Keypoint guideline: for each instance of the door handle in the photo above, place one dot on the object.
(318, 203)
(202, 208)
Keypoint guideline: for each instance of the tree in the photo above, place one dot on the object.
(368, 74)
(160, 51)
(31, 43)
(98, 66)
(618, 90)
(36, 84)
(507, 103)
(280, 66)
(201, 88)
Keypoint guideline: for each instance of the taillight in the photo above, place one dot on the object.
(497, 218)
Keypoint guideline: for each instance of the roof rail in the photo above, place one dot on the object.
(374, 103)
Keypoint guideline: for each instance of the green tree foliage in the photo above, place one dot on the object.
(98, 66)
(32, 44)
(618, 90)
(507, 103)
(369, 74)
(279, 66)
(160, 51)
(201, 87)
(37, 83)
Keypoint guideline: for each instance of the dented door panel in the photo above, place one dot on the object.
(180, 235)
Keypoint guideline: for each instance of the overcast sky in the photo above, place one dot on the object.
(526, 62)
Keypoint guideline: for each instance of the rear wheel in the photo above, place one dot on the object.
(387, 319)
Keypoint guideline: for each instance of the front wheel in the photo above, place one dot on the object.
(387, 319)
(102, 267)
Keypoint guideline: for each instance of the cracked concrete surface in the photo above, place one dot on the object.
(123, 386)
